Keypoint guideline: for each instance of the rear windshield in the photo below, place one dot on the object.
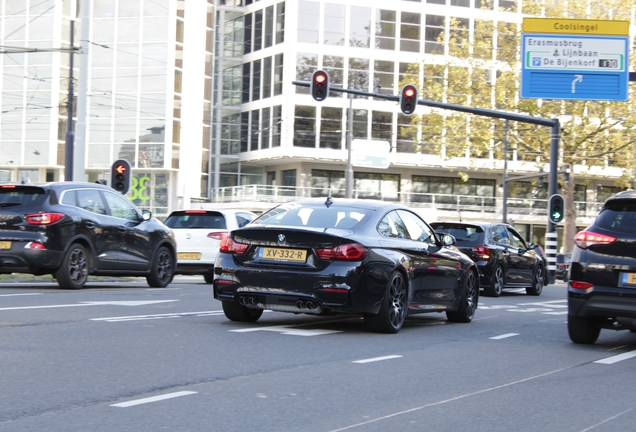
(196, 220)
(13, 196)
(618, 215)
(313, 217)
(466, 235)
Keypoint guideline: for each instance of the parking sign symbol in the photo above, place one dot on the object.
(536, 61)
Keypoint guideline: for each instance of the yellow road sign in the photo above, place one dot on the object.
(576, 26)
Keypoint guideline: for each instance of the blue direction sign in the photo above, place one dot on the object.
(574, 67)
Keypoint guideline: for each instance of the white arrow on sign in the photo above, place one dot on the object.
(579, 78)
(102, 303)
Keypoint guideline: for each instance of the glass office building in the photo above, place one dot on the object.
(199, 96)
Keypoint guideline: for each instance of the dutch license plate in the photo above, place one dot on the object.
(629, 278)
(279, 254)
(189, 255)
(5, 245)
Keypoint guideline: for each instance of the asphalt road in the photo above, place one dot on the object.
(119, 356)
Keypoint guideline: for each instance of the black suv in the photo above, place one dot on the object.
(75, 229)
(602, 278)
(503, 257)
(563, 265)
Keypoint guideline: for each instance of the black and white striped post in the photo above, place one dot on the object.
(551, 240)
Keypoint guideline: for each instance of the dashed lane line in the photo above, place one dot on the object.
(152, 399)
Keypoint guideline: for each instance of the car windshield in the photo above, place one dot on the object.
(313, 217)
(196, 221)
(466, 235)
(11, 196)
(618, 215)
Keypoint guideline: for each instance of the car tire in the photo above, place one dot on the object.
(582, 330)
(468, 302)
(209, 278)
(496, 283)
(392, 313)
(73, 273)
(537, 283)
(237, 312)
(162, 269)
(565, 277)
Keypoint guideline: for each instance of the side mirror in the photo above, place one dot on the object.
(448, 239)
(146, 215)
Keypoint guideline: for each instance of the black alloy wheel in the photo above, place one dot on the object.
(237, 312)
(583, 330)
(73, 273)
(537, 283)
(162, 270)
(392, 312)
(468, 302)
(496, 283)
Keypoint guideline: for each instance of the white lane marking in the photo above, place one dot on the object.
(15, 295)
(453, 399)
(375, 359)
(504, 336)
(552, 303)
(103, 303)
(157, 316)
(288, 331)
(152, 399)
(617, 358)
(607, 419)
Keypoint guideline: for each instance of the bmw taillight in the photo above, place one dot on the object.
(35, 245)
(217, 235)
(482, 252)
(43, 218)
(586, 239)
(346, 252)
(229, 246)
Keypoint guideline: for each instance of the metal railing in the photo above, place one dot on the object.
(487, 206)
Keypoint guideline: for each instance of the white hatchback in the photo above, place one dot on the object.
(198, 234)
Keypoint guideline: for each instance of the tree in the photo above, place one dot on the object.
(483, 70)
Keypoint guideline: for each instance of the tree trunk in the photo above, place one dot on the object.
(567, 243)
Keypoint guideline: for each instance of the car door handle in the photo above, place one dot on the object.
(122, 229)
(89, 225)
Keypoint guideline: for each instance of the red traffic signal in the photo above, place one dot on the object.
(319, 86)
(408, 99)
(120, 176)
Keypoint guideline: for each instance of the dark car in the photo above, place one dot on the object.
(562, 266)
(503, 257)
(602, 277)
(75, 229)
(338, 256)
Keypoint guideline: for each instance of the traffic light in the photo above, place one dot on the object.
(120, 176)
(319, 85)
(556, 209)
(408, 99)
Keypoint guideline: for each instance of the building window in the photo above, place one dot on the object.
(473, 192)
(230, 134)
(246, 83)
(289, 177)
(256, 81)
(383, 76)
(376, 186)
(459, 30)
(308, 19)
(410, 32)
(508, 5)
(256, 130)
(245, 124)
(334, 24)
(278, 74)
(327, 183)
(305, 126)
(360, 32)
(306, 64)
(360, 123)
(269, 26)
(331, 128)
(265, 128)
(280, 23)
(334, 66)
(247, 34)
(442, 2)
(406, 133)
(434, 27)
(461, 3)
(267, 77)
(381, 125)
(385, 30)
(358, 78)
(276, 122)
(258, 30)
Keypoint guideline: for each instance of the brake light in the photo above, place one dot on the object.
(346, 252)
(43, 218)
(482, 252)
(195, 211)
(586, 239)
(7, 186)
(34, 245)
(217, 235)
(229, 246)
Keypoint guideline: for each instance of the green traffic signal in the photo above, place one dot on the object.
(556, 208)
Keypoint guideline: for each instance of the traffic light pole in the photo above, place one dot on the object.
(551, 235)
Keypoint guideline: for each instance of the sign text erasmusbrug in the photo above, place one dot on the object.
(580, 66)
